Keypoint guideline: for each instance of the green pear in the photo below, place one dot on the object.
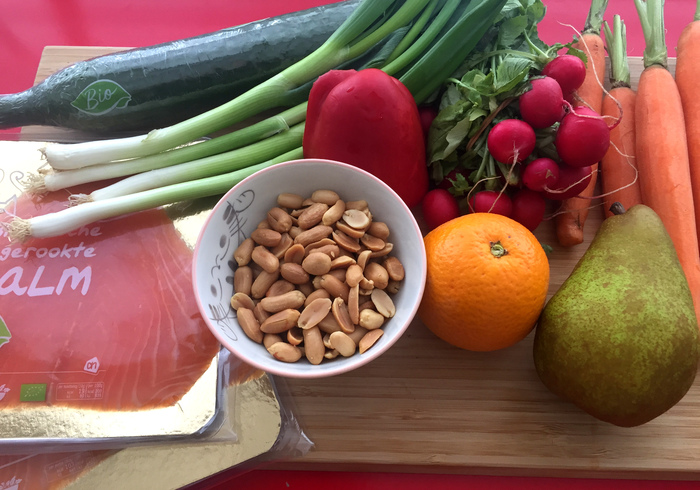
(619, 339)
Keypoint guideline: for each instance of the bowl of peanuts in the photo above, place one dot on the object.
(309, 268)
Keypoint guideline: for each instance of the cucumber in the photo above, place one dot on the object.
(156, 86)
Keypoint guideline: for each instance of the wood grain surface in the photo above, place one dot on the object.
(426, 406)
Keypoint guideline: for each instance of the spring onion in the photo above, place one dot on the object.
(66, 220)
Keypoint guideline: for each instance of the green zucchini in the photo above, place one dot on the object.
(156, 86)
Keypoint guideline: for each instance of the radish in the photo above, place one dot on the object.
(528, 208)
(583, 138)
(439, 206)
(491, 202)
(572, 181)
(540, 173)
(568, 70)
(511, 141)
(543, 105)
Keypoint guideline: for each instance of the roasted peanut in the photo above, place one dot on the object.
(281, 248)
(394, 268)
(363, 257)
(249, 324)
(279, 220)
(312, 235)
(242, 300)
(317, 263)
(312, 215)
(265, 259)
(383, 303)
(285, 352)
(357, 334)
(280, 286)
(349, 230)
(280, 322)
(388, 248)
(263, 282)
(325, 196)
(294, 273)
(369, 339)
(378, 229)
(260, 313)
(376, 273)
(313, 345)
(334, 213)
(342, 343)
(370, 319)
(270, 338)
(342, 315)
(316, 294)
(353, 275)
(289, 201)
(294, 254)
(345, 241)
(243, 280)
(312, 314)
(334, 286)
(342, 262)
(329, 324)
(354, 304)
(242, 254)
(361, 204)
(295, 336)
(293, 299)
(372, 242)
(266, 237)
(356, 219)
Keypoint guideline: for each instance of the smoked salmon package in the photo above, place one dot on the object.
(101, 342)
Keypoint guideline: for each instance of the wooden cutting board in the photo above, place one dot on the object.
(426, 406)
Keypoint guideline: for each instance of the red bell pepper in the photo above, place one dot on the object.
(369, 119)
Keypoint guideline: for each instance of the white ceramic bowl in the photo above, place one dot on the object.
(238, 213)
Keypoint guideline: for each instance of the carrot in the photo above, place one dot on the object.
(687, 76)
(618, 173)
(661, 146)
(574, 211)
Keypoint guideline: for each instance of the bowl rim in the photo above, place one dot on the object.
(356, 360)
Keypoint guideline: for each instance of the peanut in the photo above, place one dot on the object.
(242, 254)
(285, 352)
(313, 278)
(249, 324)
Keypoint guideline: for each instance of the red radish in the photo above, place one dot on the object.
(540, 173)
(528, 208)
(491, 202)
(511, 141)
(568, 70)
(583, 138)
(572, 181)
(543, 105)
(439, 206)
(427, 114)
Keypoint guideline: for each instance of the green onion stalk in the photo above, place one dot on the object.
(435, 38)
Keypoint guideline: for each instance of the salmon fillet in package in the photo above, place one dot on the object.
(100, 338)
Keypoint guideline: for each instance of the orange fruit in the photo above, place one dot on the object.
(487, 282)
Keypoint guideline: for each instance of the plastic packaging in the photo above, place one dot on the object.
(101, 342)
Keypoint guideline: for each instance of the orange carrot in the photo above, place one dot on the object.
(618, 173)
(687, 76)
(574, 211)
(661, 146)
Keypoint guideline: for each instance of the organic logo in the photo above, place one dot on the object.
(92, 366)
(5, 334)
(100, 97)
(35, 392)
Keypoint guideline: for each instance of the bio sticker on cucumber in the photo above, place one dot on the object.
(101, 97)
